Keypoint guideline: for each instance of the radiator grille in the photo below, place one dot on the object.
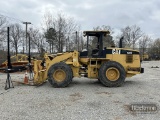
(129, 58)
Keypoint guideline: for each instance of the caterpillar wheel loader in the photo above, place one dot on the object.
(109, 65)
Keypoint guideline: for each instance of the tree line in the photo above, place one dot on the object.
(60, 33)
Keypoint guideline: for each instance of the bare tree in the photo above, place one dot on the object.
(51, 35)
(64, 26)
(81, 41)
(47, 21)
(47, 26)
(104, 27)
(37, 40)
(108, 40)
(143, 44)
(3, 24)
(16, 34)
(131, 35)
(76, 41)
(154, 49)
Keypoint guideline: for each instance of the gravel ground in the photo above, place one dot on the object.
(84, 99)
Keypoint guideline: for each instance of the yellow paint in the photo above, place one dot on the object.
(92, 64)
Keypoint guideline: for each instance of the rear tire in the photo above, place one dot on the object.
(112, 74)
(60, 75)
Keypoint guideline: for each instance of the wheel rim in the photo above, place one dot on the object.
(112, 74)
(59, 75)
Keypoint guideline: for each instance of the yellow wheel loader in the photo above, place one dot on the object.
(109, 65)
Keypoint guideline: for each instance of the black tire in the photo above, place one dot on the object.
(119, 70)
(64, 69)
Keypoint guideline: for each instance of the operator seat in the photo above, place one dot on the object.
(84, 53)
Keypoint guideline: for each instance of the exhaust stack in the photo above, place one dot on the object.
(120, 42)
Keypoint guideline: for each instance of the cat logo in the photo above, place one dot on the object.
(115, 51)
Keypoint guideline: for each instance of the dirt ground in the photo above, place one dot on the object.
(83, 99)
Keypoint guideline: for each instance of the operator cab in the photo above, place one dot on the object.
(99, 50)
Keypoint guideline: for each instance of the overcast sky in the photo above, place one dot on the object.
(91, 13)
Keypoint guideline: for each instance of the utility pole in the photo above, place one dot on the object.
(26, 23)
(68, 42)
(77, 41)
(82, 47)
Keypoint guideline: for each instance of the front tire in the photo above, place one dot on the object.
(60, 75)
(112, 74)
